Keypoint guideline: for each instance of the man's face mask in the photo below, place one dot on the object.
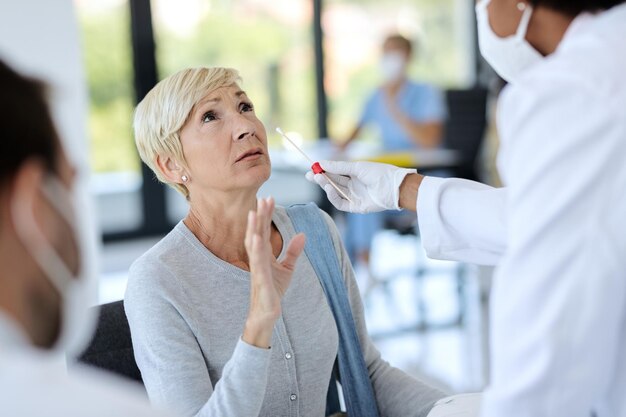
(77, 320)
(509, 56)
(392, 66)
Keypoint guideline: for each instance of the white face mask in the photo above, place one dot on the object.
(392, 66)
(509, 56)
(78, 321)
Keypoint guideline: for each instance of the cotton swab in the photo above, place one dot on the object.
(317, 169)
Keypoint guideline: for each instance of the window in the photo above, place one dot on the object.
(106, 48)
(353, 36)
(269, 42)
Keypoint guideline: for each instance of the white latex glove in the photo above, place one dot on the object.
(371, 186)
(461, 405)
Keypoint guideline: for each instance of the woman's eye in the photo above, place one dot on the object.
(245, 107)
(208, 117)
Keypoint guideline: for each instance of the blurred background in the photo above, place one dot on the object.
(309, 66)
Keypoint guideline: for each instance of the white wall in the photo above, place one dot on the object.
(40, 38)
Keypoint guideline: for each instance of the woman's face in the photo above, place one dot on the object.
(225, 144)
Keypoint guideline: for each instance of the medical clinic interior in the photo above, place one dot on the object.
(243, 208)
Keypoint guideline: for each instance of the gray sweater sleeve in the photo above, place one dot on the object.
(172, 365)
(397, 394)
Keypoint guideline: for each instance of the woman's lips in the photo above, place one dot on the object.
(251, 157)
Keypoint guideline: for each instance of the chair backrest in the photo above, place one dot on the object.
(111, 348)
(465, 127)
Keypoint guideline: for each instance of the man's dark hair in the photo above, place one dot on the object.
(26, 126)
(575, 7)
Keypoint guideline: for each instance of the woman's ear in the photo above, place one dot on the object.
(170, 169)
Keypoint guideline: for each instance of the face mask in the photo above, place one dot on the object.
(77, 319)
(392, 66)
(509, 56)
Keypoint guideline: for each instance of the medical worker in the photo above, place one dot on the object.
(43, 310)
(557, 231)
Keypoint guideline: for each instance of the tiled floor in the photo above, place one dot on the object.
(413, 317)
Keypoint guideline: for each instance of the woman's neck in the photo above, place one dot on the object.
(219, 222)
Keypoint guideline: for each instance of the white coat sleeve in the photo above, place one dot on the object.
(461, 220)
(558, 298)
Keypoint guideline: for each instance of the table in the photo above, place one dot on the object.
(289, 160)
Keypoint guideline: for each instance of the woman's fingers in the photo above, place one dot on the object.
(250, 230)
(260, 207)
(265, 209)
(294, 250)
(259, 224)
(260, 266)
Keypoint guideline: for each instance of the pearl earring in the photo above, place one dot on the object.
(184, 178)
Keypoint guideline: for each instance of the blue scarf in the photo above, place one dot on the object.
(353, 374)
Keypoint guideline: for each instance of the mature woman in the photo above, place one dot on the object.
(221, 327)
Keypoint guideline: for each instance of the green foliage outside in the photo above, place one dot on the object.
(254, 46)
(275, 61)
(108, 60)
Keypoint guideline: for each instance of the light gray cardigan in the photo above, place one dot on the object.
(187, 309)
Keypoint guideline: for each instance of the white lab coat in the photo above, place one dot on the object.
(557, 231)
(35, 384)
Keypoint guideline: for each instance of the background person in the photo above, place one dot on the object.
(557, 231)
(42, 300)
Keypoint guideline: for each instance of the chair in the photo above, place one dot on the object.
(464, 128)
(111, 348)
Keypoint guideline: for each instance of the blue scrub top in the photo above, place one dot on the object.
(421, 102)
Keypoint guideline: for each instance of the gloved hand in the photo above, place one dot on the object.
(371, 186)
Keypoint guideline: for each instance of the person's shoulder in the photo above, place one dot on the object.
(422, 87)
(332, 227)
(281, 213)
(154, 267)
(594, 51)
(40, 385)
(375, 95)
(585, 64)
(283, 221)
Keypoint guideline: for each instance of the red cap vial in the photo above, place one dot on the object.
(317, 169)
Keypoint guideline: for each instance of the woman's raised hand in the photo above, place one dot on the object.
(269, 278)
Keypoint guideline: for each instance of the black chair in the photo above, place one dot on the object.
(111, 348)
(464, 128)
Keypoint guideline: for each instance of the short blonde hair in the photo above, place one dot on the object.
(166, 108)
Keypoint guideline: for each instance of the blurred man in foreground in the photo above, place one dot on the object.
(43, 311)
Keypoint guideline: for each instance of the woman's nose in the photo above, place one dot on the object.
(243, 135)
(243, 128)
